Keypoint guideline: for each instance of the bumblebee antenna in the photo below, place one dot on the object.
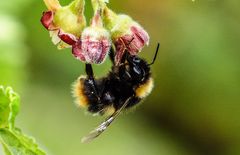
(155, 56)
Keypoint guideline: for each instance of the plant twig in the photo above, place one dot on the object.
(52, 5)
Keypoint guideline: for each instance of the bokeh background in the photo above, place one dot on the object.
(194, 108)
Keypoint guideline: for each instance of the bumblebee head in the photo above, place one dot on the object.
(134, 70)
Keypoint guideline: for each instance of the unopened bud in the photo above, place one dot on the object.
(95, 42)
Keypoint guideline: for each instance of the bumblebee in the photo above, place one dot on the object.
(124, 87)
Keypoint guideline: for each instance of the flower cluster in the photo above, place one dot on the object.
(91, 44)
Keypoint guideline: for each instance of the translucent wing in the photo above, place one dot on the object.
(103, 126)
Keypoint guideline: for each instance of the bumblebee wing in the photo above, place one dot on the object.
(103, 126)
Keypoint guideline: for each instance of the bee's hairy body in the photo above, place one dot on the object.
(132, 79)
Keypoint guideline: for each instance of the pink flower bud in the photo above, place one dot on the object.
(95, 43)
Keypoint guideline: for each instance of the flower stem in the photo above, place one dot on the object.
(78, 6)
(98, 5)
(52, 5)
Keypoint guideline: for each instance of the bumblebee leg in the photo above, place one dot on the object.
(89, 72)
(111, 55)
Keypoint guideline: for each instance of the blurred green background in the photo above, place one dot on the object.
(194, 108)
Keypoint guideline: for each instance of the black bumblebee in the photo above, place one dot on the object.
(125, 86)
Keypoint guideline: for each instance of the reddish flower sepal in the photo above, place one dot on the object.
(132, 43)
(77, 51)
(47, 19)
(140, 39)
(67, 37)
(47, 22)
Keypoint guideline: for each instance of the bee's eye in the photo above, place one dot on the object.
(137, 70)
(133, 60)
(139, 73)
(136, 60)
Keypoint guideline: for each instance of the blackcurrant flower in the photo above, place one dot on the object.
(127, 35)
(66, 23)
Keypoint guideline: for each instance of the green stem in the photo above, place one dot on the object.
(78, 6)
(98, 5)
(52, 5)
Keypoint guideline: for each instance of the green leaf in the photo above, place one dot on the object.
(9, 107)
(14, 106)
(6, 150)
(13, 140)
(4, 108)
(16, 143)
